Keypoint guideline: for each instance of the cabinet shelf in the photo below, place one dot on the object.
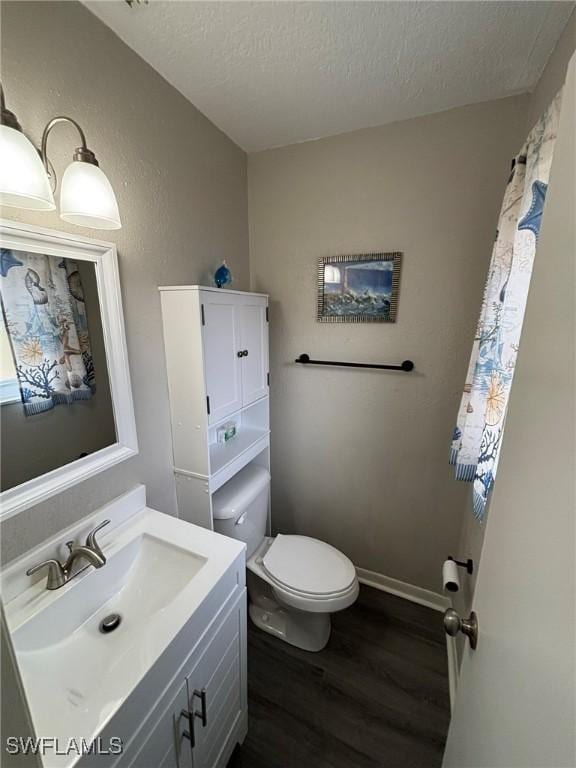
(235, 454)
(244, 412)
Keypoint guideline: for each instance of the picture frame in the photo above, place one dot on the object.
(361, 288)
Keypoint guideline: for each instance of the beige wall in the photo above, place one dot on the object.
(554, 74)
(472, 534)
(181, 187)
(360, 459)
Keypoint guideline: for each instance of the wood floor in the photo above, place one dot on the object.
(375, 697)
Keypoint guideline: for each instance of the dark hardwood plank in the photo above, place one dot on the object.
(375, 697)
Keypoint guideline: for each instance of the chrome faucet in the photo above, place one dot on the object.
(61, 573)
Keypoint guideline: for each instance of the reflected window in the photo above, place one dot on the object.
(9, 389)
(331, 274)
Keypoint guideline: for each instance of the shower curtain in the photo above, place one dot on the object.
(480, 423)
(45, 320)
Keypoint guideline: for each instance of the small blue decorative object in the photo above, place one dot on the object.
(222, 276)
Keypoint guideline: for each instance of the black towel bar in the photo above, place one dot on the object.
(406, 366)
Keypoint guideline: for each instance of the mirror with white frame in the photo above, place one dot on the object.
(66, 407)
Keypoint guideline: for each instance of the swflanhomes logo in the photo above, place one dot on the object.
(48, 745)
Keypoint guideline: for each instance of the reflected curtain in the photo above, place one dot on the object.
(45, 318)
(477, 436)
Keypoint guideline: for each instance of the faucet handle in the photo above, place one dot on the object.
(56, 573)
(91, 538)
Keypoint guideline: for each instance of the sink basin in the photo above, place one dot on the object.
(137, 582)
(64, 659)
(159, 570)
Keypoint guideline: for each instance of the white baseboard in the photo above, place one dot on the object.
(410, 592)
(421, 596)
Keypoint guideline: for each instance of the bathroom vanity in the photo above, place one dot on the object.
(169, 680)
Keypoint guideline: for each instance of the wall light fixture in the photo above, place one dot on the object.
(23, 181)
(86, 195)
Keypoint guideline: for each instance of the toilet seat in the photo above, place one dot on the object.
(308, 568)
(285, 565)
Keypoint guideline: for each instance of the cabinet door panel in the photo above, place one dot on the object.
(224, 722)
(221, 362)
(166, 746)
(254, 341)
(220, 671)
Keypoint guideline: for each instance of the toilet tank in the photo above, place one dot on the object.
(240, 507)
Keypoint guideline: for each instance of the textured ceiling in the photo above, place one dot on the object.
(273, 73)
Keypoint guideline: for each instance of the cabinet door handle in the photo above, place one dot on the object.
(245, 353)
(203, 715)
(240, 353)
(189, 734)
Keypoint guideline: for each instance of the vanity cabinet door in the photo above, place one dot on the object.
(254, 342)
(217, 692)
(222, 363)
(167, 746)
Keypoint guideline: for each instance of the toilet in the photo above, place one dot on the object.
(294, 582)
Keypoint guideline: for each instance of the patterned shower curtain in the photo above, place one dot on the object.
(478, 433)
(45, 319)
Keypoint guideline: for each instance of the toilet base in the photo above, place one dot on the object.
(309, 631)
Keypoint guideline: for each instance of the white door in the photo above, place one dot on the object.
(254, 343)
(221, 340)
(515, 704)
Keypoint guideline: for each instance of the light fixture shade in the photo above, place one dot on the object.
(24, 182)
(87, 197)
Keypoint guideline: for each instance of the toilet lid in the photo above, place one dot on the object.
(307, 565)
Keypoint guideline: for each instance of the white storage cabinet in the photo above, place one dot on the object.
(216, 346)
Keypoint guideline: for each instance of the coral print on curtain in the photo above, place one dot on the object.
(478, 433)
(45, 318)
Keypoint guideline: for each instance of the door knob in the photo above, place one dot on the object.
(469, 627)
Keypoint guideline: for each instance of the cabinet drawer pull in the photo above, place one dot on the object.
(189, 734)
(203, 715)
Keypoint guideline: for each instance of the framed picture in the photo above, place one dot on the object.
(359, 289)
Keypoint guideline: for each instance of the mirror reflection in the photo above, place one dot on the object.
(55, 399)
